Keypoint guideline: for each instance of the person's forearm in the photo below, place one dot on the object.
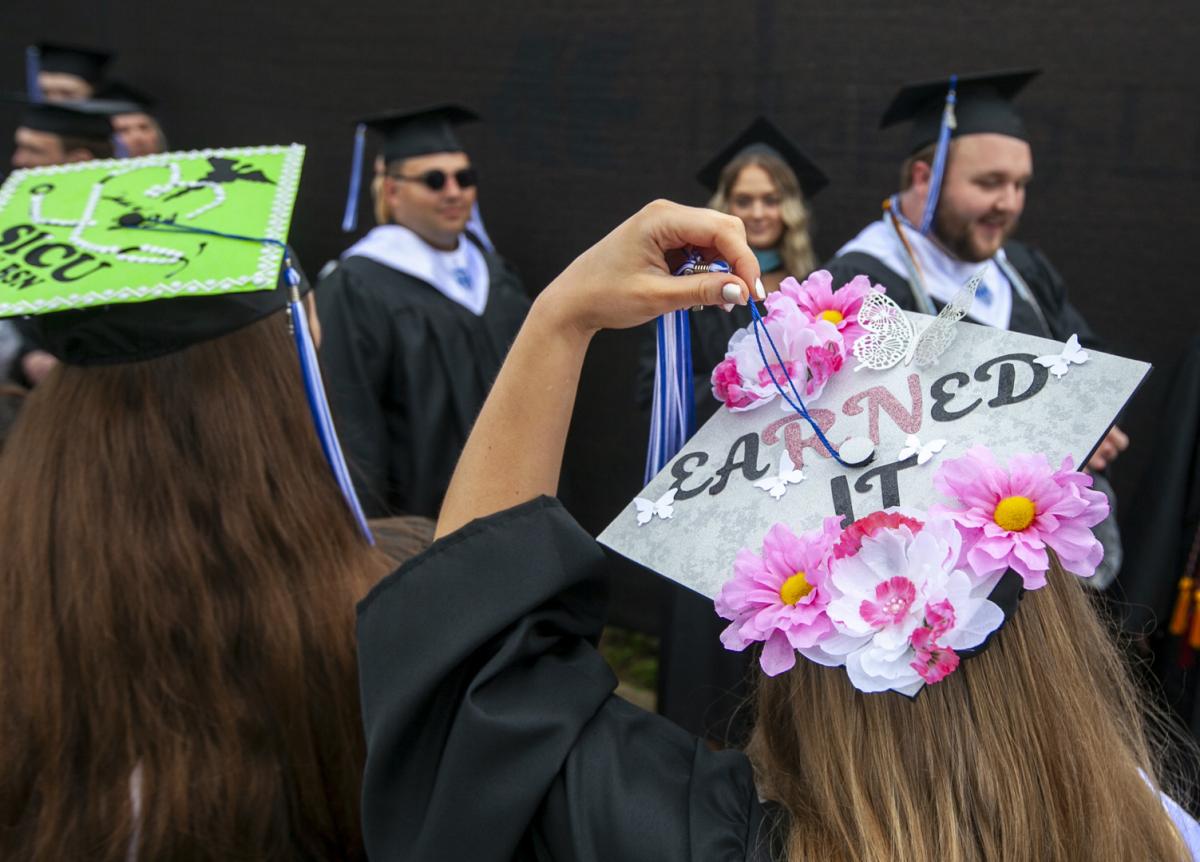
(515, 450)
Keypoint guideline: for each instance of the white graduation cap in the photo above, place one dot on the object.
(747, 471)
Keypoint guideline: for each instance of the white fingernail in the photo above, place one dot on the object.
(759, 290)
(728, 306)
(732, 293)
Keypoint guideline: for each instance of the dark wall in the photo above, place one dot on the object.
(595, 108)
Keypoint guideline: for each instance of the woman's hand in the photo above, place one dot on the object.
(625, 279)
(515, 450)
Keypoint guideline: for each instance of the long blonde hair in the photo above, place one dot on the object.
(1037, 749)
(795, 245)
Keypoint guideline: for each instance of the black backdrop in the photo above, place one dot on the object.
(595, 108)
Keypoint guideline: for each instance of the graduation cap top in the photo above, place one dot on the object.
(764, 136)
(720, 509)
(91, 120)
(86, 63)
(418, 132)
(984, 104)
(133, 100)
(122, 260)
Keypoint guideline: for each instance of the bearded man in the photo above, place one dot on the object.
(962, 192)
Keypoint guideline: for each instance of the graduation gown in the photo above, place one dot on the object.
(1044, 282)
(492, 730)
(407, 370)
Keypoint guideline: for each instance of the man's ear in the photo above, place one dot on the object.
(921, 172)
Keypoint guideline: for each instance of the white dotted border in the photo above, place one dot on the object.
(269, 260)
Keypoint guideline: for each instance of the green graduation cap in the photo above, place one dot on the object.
(81, 241)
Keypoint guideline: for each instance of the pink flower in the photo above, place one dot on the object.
(727, 385)
(939, 616)
(1008, 518)
(811, 352)
(893, 598)
(779, 598)
(933, 661)
(852, 536)
(817, 299)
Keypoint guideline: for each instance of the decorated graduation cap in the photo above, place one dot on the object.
(895, 569)
(127, 260)
(763, 136)
(956, 106)
(405, 133)
(90, 120)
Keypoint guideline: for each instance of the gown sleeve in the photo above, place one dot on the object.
(492, 730)
(355, 352)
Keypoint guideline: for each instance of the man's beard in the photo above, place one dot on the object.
(954, 234)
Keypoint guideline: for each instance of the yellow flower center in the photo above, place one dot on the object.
(795, 588)
(832, 315)
(1014, 513)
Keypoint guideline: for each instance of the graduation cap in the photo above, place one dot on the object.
(755, 494)
(405, 133)
(763, 136)
(85, 63)
(960, 105)
(127, 260)
(90, 120)
(133, 100)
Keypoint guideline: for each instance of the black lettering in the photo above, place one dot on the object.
(37, 256)
(17, 232)
(841, 499)
(28, 280)
(681, 473)
(889, 488)
(941, 397)
(748, 463)
(60, 274)
(1007, 379)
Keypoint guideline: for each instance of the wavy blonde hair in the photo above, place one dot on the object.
(795, 245)
(1038, 749)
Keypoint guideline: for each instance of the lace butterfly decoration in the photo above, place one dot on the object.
(891, 339)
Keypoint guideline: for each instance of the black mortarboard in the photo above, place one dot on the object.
(139, 101)
(764, 136)
(419, 132)
(984, 104)
(91, 120)
(86, 63)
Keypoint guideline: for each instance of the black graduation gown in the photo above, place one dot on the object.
(492, 730)
(1044, 282)
(407, 370)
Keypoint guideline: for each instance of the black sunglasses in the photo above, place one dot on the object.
(435, 180)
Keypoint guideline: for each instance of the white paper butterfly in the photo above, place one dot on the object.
(890, 336)
(663, 507)
(912, 446)
(1060, 363)
(788, 475)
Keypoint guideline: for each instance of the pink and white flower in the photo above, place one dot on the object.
(903, 583)
(779, 598)
(1009, 518)
(816, 297)
(812, 352)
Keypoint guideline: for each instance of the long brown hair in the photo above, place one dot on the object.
(1037, 749)
(177, 593)
(795, 245)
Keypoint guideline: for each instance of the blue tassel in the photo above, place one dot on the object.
(350, 217)
(33, 65)
(319, 407)
(673, 412)
(940, 156)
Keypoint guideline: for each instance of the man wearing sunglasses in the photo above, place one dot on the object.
(416, 318)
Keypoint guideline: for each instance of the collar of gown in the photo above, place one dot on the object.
(460, 275)
(943, 273)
